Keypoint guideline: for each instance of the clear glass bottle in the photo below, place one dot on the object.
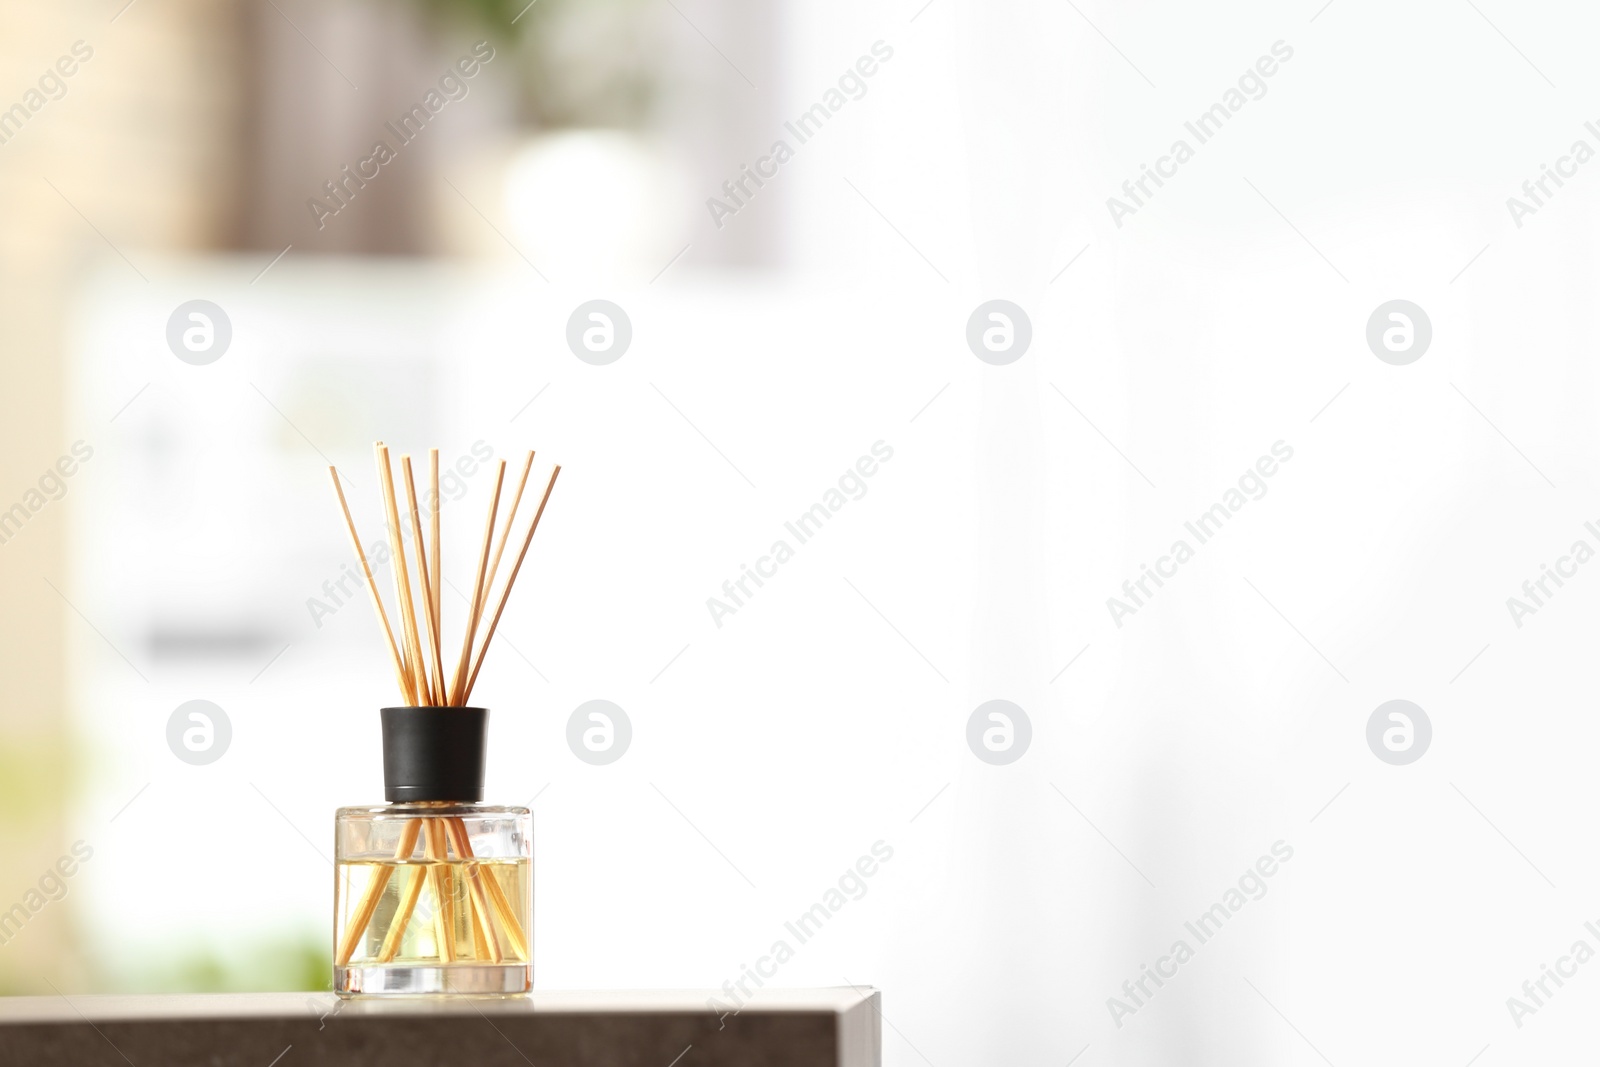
(433, 897)
(433, 892)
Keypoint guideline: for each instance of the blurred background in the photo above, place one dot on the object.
(167, 531)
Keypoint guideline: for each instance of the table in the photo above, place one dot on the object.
(836, 1027)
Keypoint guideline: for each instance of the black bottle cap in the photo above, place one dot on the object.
(434, 753)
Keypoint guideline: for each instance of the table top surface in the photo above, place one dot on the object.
(120, 1007)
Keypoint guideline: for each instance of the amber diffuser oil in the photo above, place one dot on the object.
(414, 916)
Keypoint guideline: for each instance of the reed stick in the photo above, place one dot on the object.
(480, 944)
(438, 560)
(436, 682)
(402, 575)
(506, 592)
(372, 586)
(374, 893)
(505, 531)
(482, 917)
(458, 833)
(405, 667)
(508, 918)
(458, 687)
(484, 925)
(402, 915)
(443, 917)
(475, 919)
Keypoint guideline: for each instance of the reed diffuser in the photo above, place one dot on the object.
(433, 891)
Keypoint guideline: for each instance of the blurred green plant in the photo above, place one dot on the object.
(580, 63)
(497, 16)
(287, 965)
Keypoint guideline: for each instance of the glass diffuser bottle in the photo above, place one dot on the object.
(433, 890)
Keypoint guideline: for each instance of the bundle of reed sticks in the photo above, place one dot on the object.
(419, 669)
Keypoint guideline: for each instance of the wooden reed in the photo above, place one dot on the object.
(457, 689)
(402, 915)
(372, 587)
(505, 531)
(444, 926)
(438, 560)
(402, 576)
(374, 893)
(506, 592)
(480, 904)
(436, 683)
